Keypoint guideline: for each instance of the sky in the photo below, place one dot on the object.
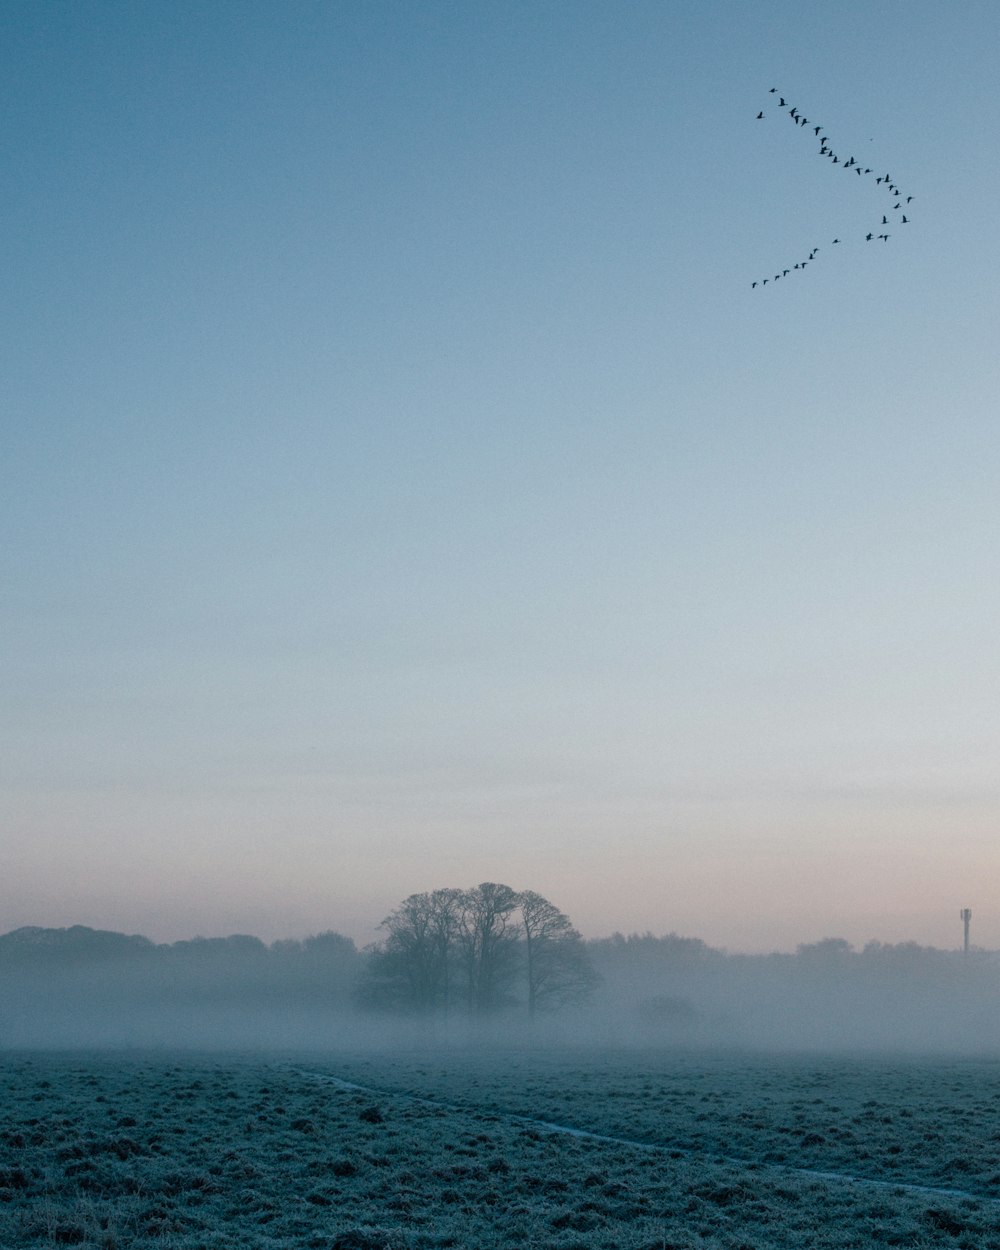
(403, 485)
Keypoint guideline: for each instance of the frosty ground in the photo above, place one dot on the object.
(439, 1149)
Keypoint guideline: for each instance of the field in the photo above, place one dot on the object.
(446, 1148)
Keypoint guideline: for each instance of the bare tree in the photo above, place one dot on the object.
(487, 943)
(411, 966)
(556, 961)
(445, 910)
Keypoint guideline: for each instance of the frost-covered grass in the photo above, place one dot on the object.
(933, 1121)
(130, 1151)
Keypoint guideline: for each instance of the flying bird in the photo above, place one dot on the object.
(850, 162)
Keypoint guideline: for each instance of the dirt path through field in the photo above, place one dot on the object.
(547, 1126)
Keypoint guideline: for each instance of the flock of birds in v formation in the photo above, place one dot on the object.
(852, 165)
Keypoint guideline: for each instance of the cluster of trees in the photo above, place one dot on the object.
(477, 950)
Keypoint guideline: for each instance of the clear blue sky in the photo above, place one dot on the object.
(401, 484)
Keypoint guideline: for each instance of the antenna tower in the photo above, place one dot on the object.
(966, 914)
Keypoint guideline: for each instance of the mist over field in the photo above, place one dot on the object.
(549, 441)
(79, 987)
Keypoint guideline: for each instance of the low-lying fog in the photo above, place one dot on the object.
(82, 988)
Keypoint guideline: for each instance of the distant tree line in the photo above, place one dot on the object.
(475, 954)
(477, 951)
(321, 969)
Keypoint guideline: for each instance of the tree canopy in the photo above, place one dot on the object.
(477, 950)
